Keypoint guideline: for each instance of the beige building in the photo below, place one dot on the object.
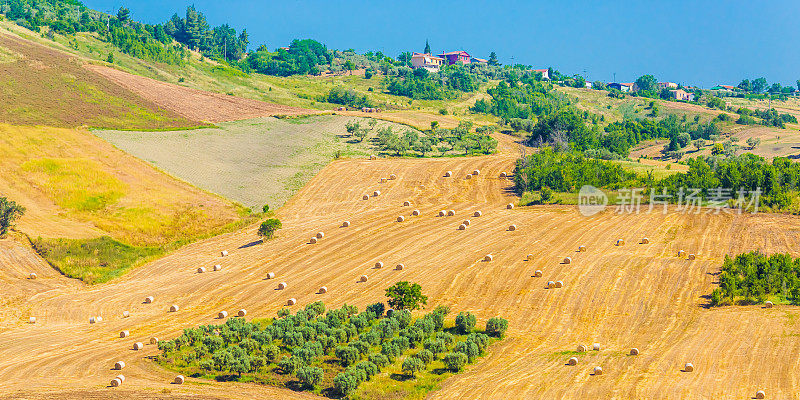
(427, 61)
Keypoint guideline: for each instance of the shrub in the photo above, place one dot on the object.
(268, 228)
(496, 326)
(455, 361)
(406, 296)
(289, 364)
(470, 349)
(379, 359)
(403, 318)
(311, 376)
(315, 309)
(481, 340)
(425, 356)
(345, 383)
(412, 365)
(368, 367)
(347, 354)
(446, 338)
(435, 346)
(414, 335)
(390, 350)
(376, 310)
(465, 322)
(362, 347)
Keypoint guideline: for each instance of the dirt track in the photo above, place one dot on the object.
(630, 296)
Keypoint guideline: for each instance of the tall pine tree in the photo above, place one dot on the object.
(427, 47)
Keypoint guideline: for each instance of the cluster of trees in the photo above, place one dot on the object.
(752, 277)
(760, 85)
(421, 84)
(460, 138)
(10, 211)
(193, 30)
(769, 117)
(314, 342)
(346, 97)
(524, 97)
(568, 172)
(303, 57)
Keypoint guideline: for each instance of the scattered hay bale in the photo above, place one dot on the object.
(241, 313)
(598, 371)
(503, 175)
(148, 300)
(32, 320)
(270, 275)
(512, 227)
(376, 193)
(559, 284)
(138, 346)
(768, 304)
(468, 176)
(384, 180)
(222, 315)
(392, 176)
(688, 367)
(634, 352)
(761, 395)
(620, 242)
(529, 257)
(116, 382)
(477, 214)
(119, 365)
(345, 224)
(442, 213)
(401, 218)
(448, 174)
(415, 213)
(99, 319)
(121, 377)
(174, 308)
(179, 380)
(451, 213)
(466, 222)
(488, 257)
(282, 286)
(551, 285)
(537, 273)
(572, 361)
(645, 240)
(365, 197)
(373, 157)
(596, 346)
(681, 253)
(126, 314)
(692, 256)
(124, 334)
(378, 265)
(313, 240)
(406, 203)
(320, 235)
(462, 227)
(582, 248)
(153, 340)
(291, 302)
(363, 278)
(567, 260)
(476, 172)
(323, 290)
(224, 253)
(32, 275)
(399, 267)
(582, 348)
(201, 270)
(510, 206)
(92, 320)
(218, 267)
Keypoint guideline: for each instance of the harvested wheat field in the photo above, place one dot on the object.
(196, 104)
(620, 297)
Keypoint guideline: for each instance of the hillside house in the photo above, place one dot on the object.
(725, 88)
(427, 61)
(622, 87)
(455, 57)
(667, 85)
(545, 73)
(476, 60)
(681, 95)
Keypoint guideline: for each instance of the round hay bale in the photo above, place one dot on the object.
(119, 365)
(121, 377)
(201, 270)
(596, 346)
(582, 348)
(477, 214)
(559, 284)
(179, 380)
(537, 273)
(462, 227)
(376, 193)
(222, 314)
(153, 340)
(688, 367)
(115, 382)
(488, 257)
(174, 308)
(448, 174)
(634, 352)
(442, 213)
(365, 197)
(323, 290)
(551, 285)
(572, 361)
(582, 249)
(406, 203)
(598, 371)
(218, 267)
(768, 304)
(270, 275)
(320, 235)
(124, 334)
(224, 253)
(401, 218)
(138, 346)
(510, 206)
(645, 241)
(476, 172)
(345, 224)
(373, 157)
(32, 275)
(415, 212)
(378, 265)
(392, 176)
(692, 256)
(503, 175)
(32, 320)
(468, 177)
(567, 260)
(148, 300)
(512, 227)
(99, 319)
(126, 314)
(681, 253)
(92, 320)
(291, 302)
(451, 213)
(761, 395)
(620, 242)
(313, 240)
(466, 222)
(241, 313)
(363, 278)
(282, 286)
(529, 257)
(399, 267)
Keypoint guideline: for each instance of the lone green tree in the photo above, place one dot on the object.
(427, 47)
(123, 14)
(9, 212)
(647, 82)
(493, 59)
(268, 228)
(406, 296)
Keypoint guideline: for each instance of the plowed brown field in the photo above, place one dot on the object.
(621, 297)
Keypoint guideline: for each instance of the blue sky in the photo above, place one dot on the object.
(699, 42)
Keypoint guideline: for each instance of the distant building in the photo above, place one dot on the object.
(455, 57)
(622, 87)
(667, 85)
(725, 88)
(681, 95)
(476, 60)
(427, 61)
(545, 73)
(587, 84)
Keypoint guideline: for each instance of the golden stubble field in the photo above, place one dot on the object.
(634, 295)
